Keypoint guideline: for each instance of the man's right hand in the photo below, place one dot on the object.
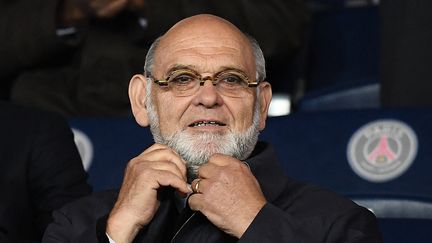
(157, 167)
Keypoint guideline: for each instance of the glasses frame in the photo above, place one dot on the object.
(165, 82)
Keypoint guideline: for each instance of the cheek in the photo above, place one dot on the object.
(243, 114)
(170, 113)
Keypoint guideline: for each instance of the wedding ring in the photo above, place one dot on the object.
(196, 187)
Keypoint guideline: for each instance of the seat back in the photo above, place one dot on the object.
(107, 145)
(382, 159)
(314, 147)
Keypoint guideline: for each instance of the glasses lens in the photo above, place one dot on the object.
(183, 82)
(231, 82)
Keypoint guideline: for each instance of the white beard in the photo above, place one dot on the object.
(197, 148)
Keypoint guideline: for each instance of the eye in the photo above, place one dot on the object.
(182, 79)
(231, 79)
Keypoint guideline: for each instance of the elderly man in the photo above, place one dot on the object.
(204, 96)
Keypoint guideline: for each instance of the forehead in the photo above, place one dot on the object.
(208, 49)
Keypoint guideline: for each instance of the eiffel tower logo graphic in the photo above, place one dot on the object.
(382, 153)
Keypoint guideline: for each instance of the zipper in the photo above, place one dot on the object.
(183, 225)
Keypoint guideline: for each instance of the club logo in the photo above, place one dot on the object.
(382, 150)
(85, 147)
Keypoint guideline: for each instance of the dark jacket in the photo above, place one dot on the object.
(40, 171)
(295, 212)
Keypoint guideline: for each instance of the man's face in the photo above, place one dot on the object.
(208, 121)
(206, 54)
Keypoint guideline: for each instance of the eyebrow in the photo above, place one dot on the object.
(176, 67)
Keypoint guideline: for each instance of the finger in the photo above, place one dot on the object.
(168, 155)
(165, 178)
(159, 152)
(184, 195)
(208, 170)
(195, 202)
(167, 166)
(136, 4)
(154, 147)
(222, 160)
(111, 8)
(217, 162)
(158, 147)
(197, 185)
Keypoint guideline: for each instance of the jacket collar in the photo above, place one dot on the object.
(266, 168)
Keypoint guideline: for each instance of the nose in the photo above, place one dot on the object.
(208, 95)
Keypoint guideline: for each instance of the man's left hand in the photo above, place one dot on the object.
(228, 194)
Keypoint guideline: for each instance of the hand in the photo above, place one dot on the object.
(229, 195)
(157, 167)
(107, 8)
(74, 12)
(110, 8)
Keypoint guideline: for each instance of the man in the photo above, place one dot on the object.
(205, 99)
(40, 169)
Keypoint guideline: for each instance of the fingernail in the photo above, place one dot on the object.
(247, 164)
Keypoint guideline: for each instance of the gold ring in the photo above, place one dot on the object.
(197, 186)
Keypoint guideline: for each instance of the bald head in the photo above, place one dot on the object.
(205, 26)
(203, 36)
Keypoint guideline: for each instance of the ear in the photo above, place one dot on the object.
(137, 97)
(265, 96)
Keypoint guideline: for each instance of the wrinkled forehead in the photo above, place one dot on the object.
(207, 43)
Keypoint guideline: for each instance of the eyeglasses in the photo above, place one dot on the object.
(186, 82)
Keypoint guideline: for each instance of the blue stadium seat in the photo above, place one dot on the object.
(381, 158)
(314, 145)
(341, 97)
(344, 47)
(107, 145)
(395, 230)
(342, 58)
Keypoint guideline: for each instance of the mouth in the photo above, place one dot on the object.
(207, 123)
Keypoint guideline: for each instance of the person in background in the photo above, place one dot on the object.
(405, 54)
(40, 169)
(206, 178)
(75, 57)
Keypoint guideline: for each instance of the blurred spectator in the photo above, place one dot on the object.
(406, 52)
(76, 56)
(40, 171)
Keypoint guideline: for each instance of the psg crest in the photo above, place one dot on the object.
(382, 150)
